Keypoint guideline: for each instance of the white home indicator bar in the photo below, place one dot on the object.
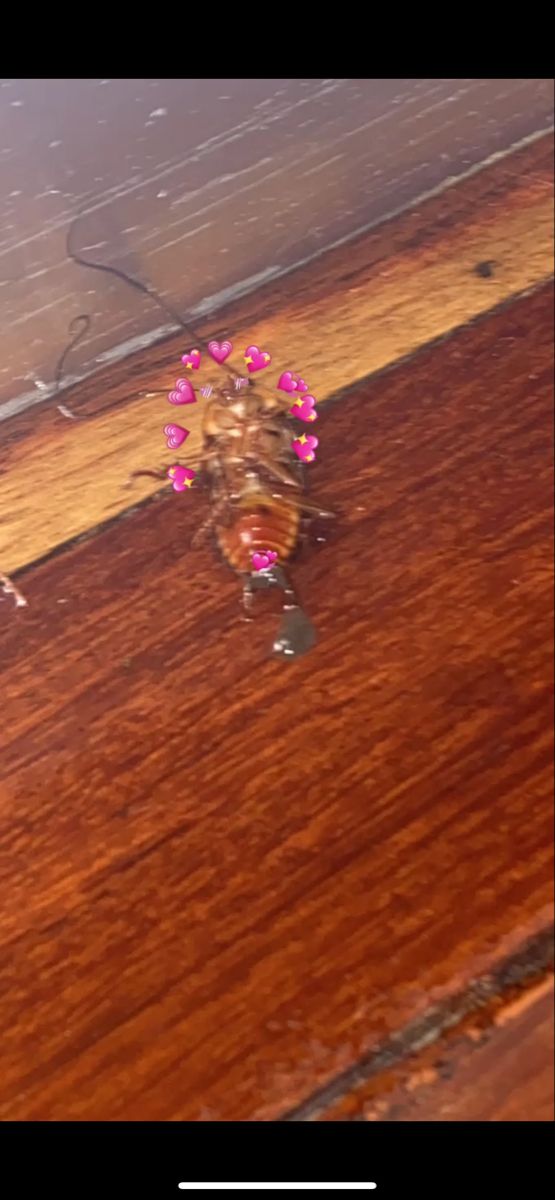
(276, 1187)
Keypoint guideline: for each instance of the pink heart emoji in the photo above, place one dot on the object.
(181, 477)
(291, 382)
(192, 360)
(286, 382)
(219, 351)
(183, 393)
(304, 409)
(256, 359)
(263, 559)
(259, 561)
(305, 446)
(175, 435)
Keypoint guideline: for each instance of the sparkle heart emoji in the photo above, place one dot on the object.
(181, 477)
(304, 409)
(256, 359)
(263, 559)
(175, 436)
(305, 446)
(192, 360)
(183, 393)
(219, 351)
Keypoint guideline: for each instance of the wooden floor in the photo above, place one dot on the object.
(493, 1066)
(236, 888)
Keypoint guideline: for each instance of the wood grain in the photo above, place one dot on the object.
(492, 1070)
(227, 879)
(202, 186)
(352, 313)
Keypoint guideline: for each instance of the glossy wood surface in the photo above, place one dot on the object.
(497, 1067)
(227, 880)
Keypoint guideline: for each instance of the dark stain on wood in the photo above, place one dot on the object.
(485, 269)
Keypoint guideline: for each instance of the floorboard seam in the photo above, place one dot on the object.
(531, 961)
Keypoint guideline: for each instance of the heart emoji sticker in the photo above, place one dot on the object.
(289, 381)
(256, 359)
(219, 351)
(286, 382)
(192, 360)
(304, 409)
(305, 446)
(175, 436)
(183, 393)
(263, 559)
(181, 477)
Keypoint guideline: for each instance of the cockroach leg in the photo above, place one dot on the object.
(296, 633)
(67, 412)
(160, 473)
(281, 580)
(10, 589)
(278, 471)
(316, 511)
(203, 529)
(209, 523)
(198, 537)
(311, 510)
(247, 598)
(255, 582)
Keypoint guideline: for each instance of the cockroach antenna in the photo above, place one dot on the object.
(138, 286)
(80, 325)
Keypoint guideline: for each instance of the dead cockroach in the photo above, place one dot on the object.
(257, 503)
(256, 484)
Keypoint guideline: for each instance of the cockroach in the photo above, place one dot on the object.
(256, 484)
(258, 501)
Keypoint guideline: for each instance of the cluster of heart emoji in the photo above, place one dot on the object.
(303, 408)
